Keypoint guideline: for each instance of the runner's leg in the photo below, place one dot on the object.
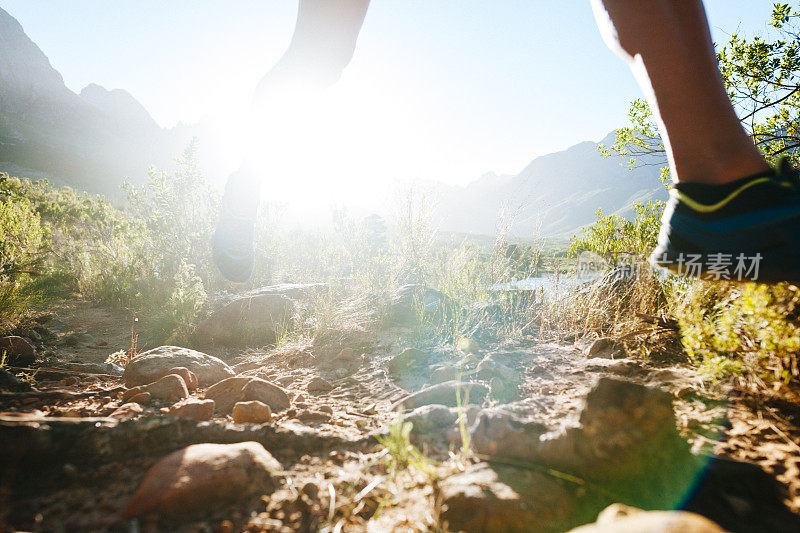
(668, 46)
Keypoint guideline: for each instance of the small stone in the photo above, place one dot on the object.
(203, 478)
(127, 410)
(194, 409)
(171, 388)
(252, 412)
(504, 381)
(142, 398)
(325, 409)
(245, 388)
(79, 339)
(318, 384)
(244, 366)
(650, 522)
(431, 418)
(312, 416)
(406, 360)
(265, 392)
(606, 347)
(17, 351)
(310, 489)
(188, 376)
(500, 433)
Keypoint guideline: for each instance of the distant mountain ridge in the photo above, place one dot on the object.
(90, 141)
(93, 140)
(555, 195)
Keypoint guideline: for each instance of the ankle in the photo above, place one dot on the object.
(723, 170)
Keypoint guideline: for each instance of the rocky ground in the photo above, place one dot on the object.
(518, 434)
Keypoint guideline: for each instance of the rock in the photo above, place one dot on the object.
(127, 410)
(170, 388)
(142, 398)
(265, 392)
(17, 351)
(431, 419)
(408, 302)
(244, 366)
(633, 520)
(498, 433)
(615, 366)
(502, 499)
(318, 384)
(312, 416)
(79, 339)
(252, 412)
(188, 376)
(443, 373)
(295, 291)
(504, 381)
(45, 333)
(606, 347)
(227, 392)
(252, 320)
(626, 438)
(154, 364)
(245, 388)
(194, 409)
(10, 382)
(310, 489)
(203, 477)
(406, 361)
(445, 394)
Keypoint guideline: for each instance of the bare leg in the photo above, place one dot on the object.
(323, 43)
(668, 46)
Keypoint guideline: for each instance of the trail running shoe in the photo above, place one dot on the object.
(233, 249)
(747, 230)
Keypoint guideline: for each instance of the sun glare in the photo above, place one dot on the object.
(318, 148)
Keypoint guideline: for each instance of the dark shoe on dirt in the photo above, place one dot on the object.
(747, 230)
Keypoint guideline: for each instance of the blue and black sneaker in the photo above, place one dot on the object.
(746, 230)
(233, 249)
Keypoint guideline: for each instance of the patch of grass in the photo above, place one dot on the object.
(401, 452)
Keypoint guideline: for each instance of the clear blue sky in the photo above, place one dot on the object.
(458, 87)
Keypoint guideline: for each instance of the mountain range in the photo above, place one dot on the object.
(94, 140)
(90, 140)
(553, 195)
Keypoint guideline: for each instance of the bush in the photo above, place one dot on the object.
(744, 329)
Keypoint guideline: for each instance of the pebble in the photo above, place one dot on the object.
(252, 412)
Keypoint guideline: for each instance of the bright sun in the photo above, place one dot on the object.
(324, 147)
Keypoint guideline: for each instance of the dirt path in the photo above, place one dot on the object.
(336, 476)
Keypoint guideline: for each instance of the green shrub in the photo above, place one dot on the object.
(751, 329)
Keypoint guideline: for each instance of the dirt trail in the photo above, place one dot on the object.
(335, 474)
